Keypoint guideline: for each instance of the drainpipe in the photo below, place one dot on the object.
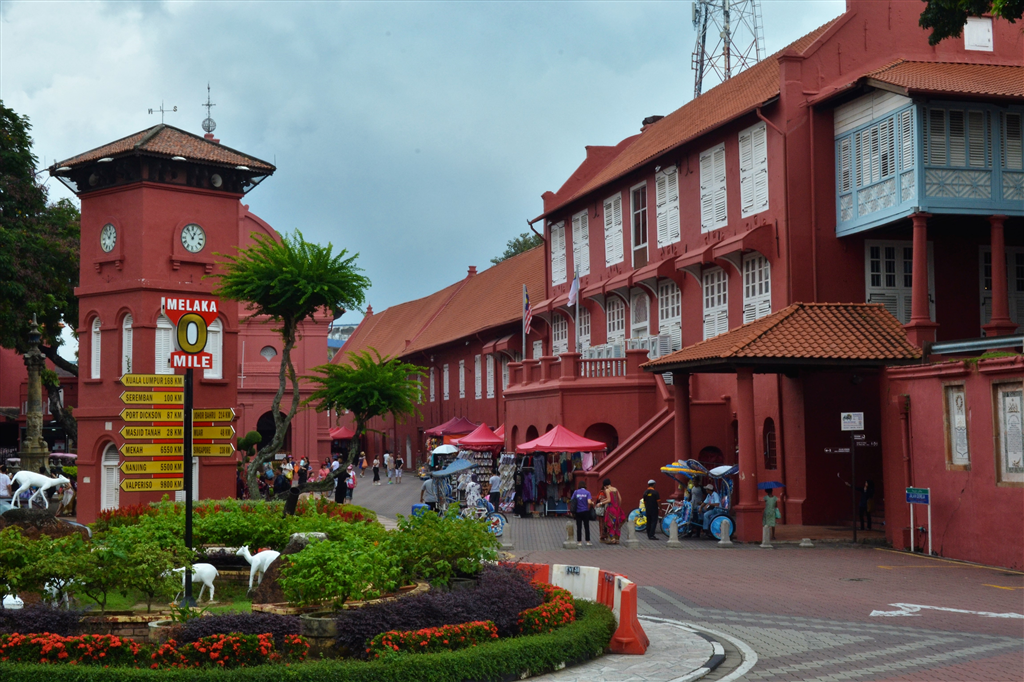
(904, 405)
(780, 445)
(814, 216)
(547, 272)
(785, 189)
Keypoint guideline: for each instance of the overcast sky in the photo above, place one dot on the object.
(418, 134)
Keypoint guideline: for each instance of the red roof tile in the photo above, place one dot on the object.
(597, 158)
(973, 79)
(724, 102)
(803, 331)
(165, 140)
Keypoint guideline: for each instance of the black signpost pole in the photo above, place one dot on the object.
(853, 477)
(187, 600)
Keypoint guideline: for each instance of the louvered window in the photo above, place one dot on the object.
(559, 335)
(538, 350)
(581, 243)
(670, 314)
(478, 377)
(616, 319)
(889, 277)
(845, 174)
(433, 384)
(640, 325)
(462, 378)
(1013, 150)
(713, 208)
(666, 184)
(444, 382)
(716, 302)
(126, 345)
(94, 360)
(111, 474)
(906, 123)
(613, 230)
(757, 292)
(753, 143)
(164, 344)
(958, 138)
(1014, 284)
(583, 342)
(558, 254)
(490, 376)
(504, 373)
(638, 205)
(215, 347)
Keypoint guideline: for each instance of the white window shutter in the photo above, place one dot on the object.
(558, 253)
(749, 312)
(722, 321)
(613, 230)
(94, 363)
(538, 350)
(433, 388)
(581, 243)
(746, 173)
(477, 378)
(111, 484)
(490, 376)
(673, 204)
(760, 172)
(661, 204)
(164, 344)
(504, 373)
(676, 333)
(126, 345)
(721, 207)
(462, 378)
(444, 382)
(707, 204)
(709, 326)
(179, 495)
(215, 347)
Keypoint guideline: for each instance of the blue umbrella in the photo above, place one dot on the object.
(768, 485)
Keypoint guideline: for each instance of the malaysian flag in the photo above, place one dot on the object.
(527, 311)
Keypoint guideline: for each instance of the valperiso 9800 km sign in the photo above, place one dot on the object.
(191, 317)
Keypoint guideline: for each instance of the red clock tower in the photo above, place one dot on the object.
(156, 207)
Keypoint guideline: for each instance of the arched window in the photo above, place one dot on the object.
(640, 314)
(111, 485)
(94, 360)
(268, 353)
(126, 345)
(215, 347)
(768, 439)
(616, 319)
(163, 345)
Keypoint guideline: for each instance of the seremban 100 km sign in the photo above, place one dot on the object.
(192, 318)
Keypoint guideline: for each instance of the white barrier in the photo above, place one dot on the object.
(582, 581)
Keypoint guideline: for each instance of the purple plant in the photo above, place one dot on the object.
(241, 623)
(39, 618)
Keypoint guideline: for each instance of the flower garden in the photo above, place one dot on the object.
(340, 615)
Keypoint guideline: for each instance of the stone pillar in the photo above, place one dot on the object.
(570, 363)
(920, 329)
(1000, 324)
(34, 450)
(681, 389)
(748, 512)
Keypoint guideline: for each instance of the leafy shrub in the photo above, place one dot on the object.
(432, 640)
(502, 593)
(39, 618)
(438, 548)
(241, 623)
(71, 471)
(556, 611)
(356, 566)
(122, 516)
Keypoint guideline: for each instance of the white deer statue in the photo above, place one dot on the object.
(29, 479)
(202, 573)
(259, 562)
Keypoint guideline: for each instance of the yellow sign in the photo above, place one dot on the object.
(153, 467)
(213, 432)
(139, 485)
(153, 398)
(153, 380)
(213, 415)
(152, 431)
(136, 415)
(176, 450)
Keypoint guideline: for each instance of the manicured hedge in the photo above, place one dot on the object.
(502, 660)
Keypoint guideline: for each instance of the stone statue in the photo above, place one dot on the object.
(34, 450)
(29, 479)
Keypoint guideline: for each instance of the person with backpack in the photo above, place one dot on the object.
(399, 463)
(350, 483)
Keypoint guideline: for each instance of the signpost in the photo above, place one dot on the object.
(174, 467)
(176, 450)
(152, 397)
(920, 496)
(143, 415)
(854, 423)
(141, 485)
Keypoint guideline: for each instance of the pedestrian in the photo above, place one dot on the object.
(389, 462)
(581, 504)
(376, 471)
(428, 494)
(303, 472)
(239, 483)
(610, 516)
(340, 487)
(495, 490)
(288, 468)
(5, 483)
(650, 502)
(771, 511)
(399, 463)
(867, 503)
(362, 464)
(281, 483)
(350, 483)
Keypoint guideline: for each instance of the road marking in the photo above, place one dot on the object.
(948, 561)
(675, 602)
(913, 609)
(1002, 587)
(890, 568)
(749, 655)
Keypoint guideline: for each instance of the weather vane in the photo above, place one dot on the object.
(163, 111)
(209, 125)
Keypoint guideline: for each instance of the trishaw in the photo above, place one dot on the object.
(446, 490)
(686, 518)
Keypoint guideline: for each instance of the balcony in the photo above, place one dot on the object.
(570, 369)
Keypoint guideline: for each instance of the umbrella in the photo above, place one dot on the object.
(768, 485)
(724, 470)
(457, 466)
(445, 450)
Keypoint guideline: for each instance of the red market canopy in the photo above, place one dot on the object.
(500, 431)
(453, 427)
(481, 439)
(342, 433)
(561, 439)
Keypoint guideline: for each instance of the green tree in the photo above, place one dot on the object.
(149, 557)
(16, 560)
(39, 254)
(524, 242)
(55, 565)
(946, 18)
(288, 281)
(368, 386)
(101, 571)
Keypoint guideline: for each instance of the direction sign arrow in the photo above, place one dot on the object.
(153, 397)
(213, 415)
(153, 380)
(153, 467)
(176, 450)
(140, 415)
(133, 485)
(213, 450)
(152, 431)
(213, 432)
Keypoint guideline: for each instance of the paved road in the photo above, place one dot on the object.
(807, 613)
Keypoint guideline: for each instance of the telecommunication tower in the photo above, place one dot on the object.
(730, 38)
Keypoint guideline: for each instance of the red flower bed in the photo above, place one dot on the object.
(86, 649)
(432, 640)
(557, 610)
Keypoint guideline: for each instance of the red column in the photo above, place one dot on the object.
(1000, 325)
(748, 511)
(921, 329)
(681, 389)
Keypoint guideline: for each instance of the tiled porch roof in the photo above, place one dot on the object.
(966, 79)
(803, 333)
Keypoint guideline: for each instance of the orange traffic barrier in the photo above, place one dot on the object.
(537, 572)
(629, 638)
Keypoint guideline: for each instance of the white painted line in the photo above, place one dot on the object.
(749, 655)
(695, 675)
(914, 609)
(719, 649)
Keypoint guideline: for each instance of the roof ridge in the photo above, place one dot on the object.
(440, 309)
(153, 132)
(766, 326)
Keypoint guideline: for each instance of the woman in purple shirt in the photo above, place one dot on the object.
(580, 504)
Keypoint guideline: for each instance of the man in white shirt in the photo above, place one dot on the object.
(495, 493)
(5, 483)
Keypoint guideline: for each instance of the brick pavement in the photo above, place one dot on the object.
(806, 612)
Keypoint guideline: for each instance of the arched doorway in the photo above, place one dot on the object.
(711, 457)
(768, 438)
(531, 433)
(265, 427)
(111, 487)
(550, 426)
(605, 433)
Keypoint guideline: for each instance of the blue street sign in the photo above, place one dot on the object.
(918, 495)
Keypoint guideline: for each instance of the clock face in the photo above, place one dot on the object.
(193, 238)
(108, 238)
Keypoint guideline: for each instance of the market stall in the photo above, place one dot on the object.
(444, 434)
(544, 470)
(341, 437)
(482, 447)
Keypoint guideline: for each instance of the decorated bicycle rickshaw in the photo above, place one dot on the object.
(455, 477)
(681, 511)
